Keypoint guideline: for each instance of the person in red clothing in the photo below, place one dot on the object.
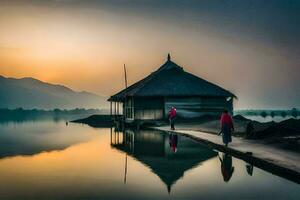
(226, 127)
(172, 117)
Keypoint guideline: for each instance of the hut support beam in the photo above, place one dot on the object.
(115, 109)
(110, 109)
(118, 108)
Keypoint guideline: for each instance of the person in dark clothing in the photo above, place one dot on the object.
(226, 166)
(226, 127)
(250, 131)
(172, 117)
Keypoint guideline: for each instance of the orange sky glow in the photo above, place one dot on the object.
(85, 47)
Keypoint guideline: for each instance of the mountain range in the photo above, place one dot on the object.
(29, 93)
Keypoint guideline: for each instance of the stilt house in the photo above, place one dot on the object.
(151, 98)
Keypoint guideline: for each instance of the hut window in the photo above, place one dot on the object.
(129, 109)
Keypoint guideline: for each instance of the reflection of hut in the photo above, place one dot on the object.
(150, 98)
(152, 149)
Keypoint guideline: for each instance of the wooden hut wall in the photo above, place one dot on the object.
(190, 107)
(148, 108)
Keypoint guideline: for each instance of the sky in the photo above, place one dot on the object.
(249, 47)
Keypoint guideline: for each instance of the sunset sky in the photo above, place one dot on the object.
(251, 48)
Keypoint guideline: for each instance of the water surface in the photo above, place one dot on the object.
(49, 160)
(269, 118)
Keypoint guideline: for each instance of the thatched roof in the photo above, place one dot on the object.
(171, 80)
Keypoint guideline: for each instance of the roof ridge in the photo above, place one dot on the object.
(168, 65)
(161, 68)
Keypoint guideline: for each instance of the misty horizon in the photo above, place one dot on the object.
(250, 48)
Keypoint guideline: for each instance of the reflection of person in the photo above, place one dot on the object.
(173, 141)
(172, 117)
(249, 169)
(226, 127)
(226, 166)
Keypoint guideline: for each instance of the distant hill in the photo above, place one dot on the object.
(30, 93)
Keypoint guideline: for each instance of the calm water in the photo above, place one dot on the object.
(269, 118)
(48, 160)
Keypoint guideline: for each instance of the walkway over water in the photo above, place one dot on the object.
(283, 161)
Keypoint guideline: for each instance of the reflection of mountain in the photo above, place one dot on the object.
(19, 139)
(10, 148)
(31, 93)
(152, 149)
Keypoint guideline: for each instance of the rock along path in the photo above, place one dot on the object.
(278, 161)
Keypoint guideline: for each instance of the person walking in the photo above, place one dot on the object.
(172, 117)
(226, 127)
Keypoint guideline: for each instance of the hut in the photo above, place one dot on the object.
(151, 98)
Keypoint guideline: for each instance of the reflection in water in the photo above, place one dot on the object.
(153, 150)
(80, 162)
(173, 140)
(29, 138)
(249, 169)
(226, 166)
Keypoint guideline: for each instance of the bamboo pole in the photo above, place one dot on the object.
(125, 97)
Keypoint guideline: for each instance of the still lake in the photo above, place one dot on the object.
(49, 160)
(269, 118)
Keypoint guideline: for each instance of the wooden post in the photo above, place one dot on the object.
(111, 110)
(118, 109)
(118, 137)
(115, 110)
(125, 111)
(110, 135)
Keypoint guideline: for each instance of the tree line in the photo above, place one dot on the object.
(272, 113)
(20, 114)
